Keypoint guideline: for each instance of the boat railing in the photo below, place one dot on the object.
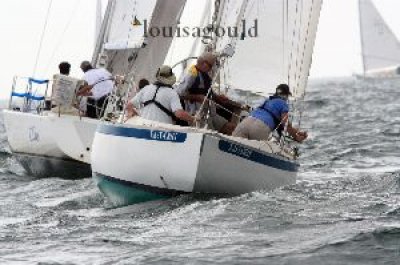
(32, 94)
(124, 88)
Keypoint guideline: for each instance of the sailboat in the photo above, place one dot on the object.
(56, 143)
(29, 122)
(142, 160)
(380, 47)
(122, 49)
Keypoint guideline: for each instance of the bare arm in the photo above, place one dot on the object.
(130, 110)
(183, 115)
(194, 98)
(297, 135)
(85, 91)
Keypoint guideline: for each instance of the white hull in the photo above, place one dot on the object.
(132, 158)
(74, 136)
(47, 144)
(30, 133)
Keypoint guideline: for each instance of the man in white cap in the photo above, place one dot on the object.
(159, 102)
(195, 87)
(99, 85)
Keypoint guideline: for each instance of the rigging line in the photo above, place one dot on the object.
(298, 45)
(77, 4)
(287, 39)
(285, 31)
(293, 37)
(241, 17)
(307, 33)
(310, 17)
(233, 40)
(42, 37)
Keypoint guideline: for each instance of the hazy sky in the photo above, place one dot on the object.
(70, 36)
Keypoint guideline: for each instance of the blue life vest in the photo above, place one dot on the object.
(271, 114)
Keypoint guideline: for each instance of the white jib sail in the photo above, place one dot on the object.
(380, 47)
(275, 46)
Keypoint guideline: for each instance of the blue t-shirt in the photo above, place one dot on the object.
(272, 106)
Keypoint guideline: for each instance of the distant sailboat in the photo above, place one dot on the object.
(380, 47)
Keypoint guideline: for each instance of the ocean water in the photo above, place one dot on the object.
(344, 208)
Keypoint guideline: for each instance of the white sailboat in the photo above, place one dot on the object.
(143, 160)
(62, 140)
(31, 128)
(122, 48)
(380, 47)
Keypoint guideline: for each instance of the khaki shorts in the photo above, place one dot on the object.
(253, 129)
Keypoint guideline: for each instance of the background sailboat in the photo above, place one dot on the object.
(30, 130)
(123, 49)
(68, 138)
(380, 47)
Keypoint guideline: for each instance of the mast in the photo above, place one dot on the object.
(103, 32)
(150, 57)
(42, 38)
(98, 20)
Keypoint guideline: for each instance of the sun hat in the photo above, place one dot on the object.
(165, 75)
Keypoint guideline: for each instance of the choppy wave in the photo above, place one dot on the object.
(344, 208)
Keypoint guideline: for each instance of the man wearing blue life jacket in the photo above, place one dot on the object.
(271, 115)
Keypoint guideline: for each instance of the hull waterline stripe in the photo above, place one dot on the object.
(257, 157)
(154, 135)
(146, 188)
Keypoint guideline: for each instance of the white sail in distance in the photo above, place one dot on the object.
(380, 47)
(276, 46)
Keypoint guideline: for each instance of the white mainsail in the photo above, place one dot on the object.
(380, 47)
(276, 46)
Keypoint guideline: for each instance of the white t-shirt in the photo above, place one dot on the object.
(166, 96)
(96, 76)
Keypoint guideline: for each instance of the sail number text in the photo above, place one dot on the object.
(239, 150)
